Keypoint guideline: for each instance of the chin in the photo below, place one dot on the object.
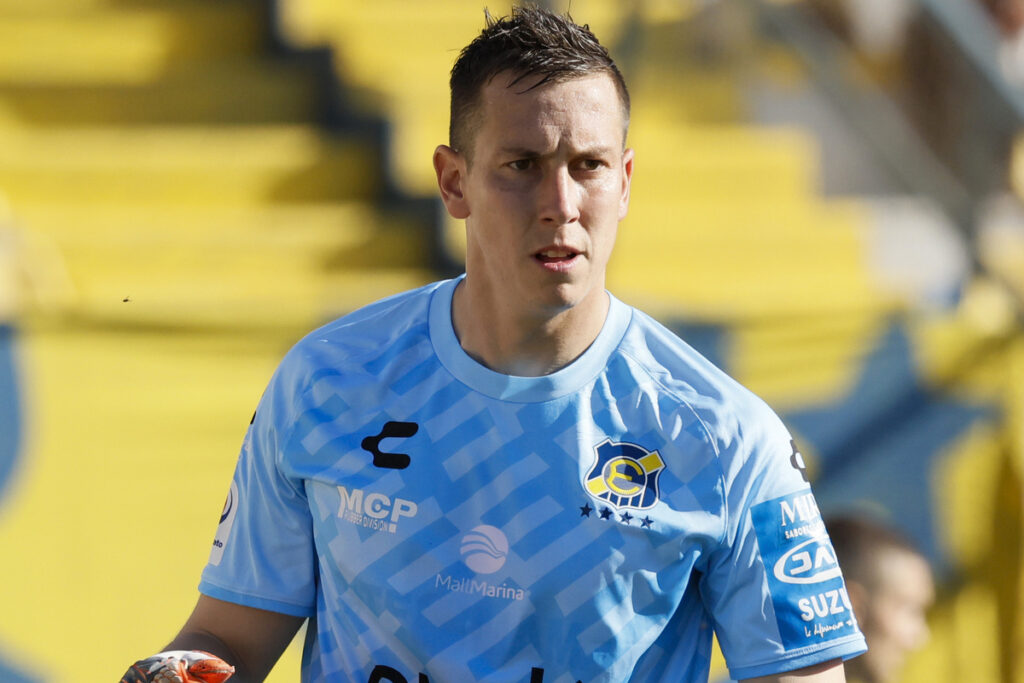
(563, 298)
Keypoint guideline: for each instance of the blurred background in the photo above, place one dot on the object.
(826, 202)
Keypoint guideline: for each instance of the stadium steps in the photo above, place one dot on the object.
(205, 221)
(281, 266)
(716, 162)
(727, 222)
(408, 85)
(159, 131)
(75, 63)
(109, 43)
(229, 92)
(211, 164)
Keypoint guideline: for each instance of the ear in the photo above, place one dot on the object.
(627, 177)
(450, 167)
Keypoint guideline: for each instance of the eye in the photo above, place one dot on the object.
(521, 164)
(591, 164)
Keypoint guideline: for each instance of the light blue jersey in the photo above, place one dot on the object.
(441, 522)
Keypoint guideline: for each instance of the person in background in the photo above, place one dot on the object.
(891, 587)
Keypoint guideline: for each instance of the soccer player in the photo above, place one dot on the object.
(891, 588)
(512, 475)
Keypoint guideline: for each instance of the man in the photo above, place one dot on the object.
(513, 476)
(891, 588)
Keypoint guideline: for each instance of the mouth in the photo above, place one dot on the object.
(556, 256)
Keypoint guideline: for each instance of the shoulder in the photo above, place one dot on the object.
(744, 435)
(366, 329)
(382, 327)
(727, 408)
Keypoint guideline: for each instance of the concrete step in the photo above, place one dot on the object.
(262, 265)
(353, 234)
(723, 295)
(127, 45)
(273, 226)
(784, 222)
(207, 164)
(261, 91)
(745, 157)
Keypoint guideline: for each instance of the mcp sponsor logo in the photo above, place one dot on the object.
(373, 510)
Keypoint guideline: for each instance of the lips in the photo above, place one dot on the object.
(561, 260)
(555, 255)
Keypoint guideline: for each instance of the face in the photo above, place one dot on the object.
(543, 194)
(893, 616)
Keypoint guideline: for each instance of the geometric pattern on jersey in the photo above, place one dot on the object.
(586, 525)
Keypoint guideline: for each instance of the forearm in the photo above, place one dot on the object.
(249, 639)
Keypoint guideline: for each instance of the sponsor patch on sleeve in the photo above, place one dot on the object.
(806, 586)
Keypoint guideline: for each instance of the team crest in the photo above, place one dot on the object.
(625, 475)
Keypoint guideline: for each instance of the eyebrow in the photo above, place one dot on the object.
(527, 153)
(521, 152)
(599, 151)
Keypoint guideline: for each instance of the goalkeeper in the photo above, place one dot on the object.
(513, 475)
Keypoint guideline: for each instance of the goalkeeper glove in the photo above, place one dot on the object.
(179, 666)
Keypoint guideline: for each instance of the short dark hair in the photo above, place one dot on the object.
(530, 41)
(859, 541)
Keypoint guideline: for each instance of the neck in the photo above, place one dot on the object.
(524, 343)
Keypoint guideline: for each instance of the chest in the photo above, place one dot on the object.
(442, 490)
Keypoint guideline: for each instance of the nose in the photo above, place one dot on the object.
(559, 198)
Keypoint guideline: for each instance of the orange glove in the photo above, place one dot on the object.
(179, 666)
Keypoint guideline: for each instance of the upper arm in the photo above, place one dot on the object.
(826, 672)
(773, 586)
(250, 639)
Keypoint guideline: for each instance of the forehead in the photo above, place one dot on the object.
(585, 109)
(905, 573)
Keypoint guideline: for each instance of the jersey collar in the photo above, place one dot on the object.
(565, 381)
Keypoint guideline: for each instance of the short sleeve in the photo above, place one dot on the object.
(263, 554)
(773, 587)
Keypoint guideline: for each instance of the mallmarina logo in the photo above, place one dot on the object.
(484, 549)
(484, 588)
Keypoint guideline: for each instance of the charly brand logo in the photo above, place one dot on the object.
(484, 549)
(391, 430)
(797, 461)
(625, 475)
